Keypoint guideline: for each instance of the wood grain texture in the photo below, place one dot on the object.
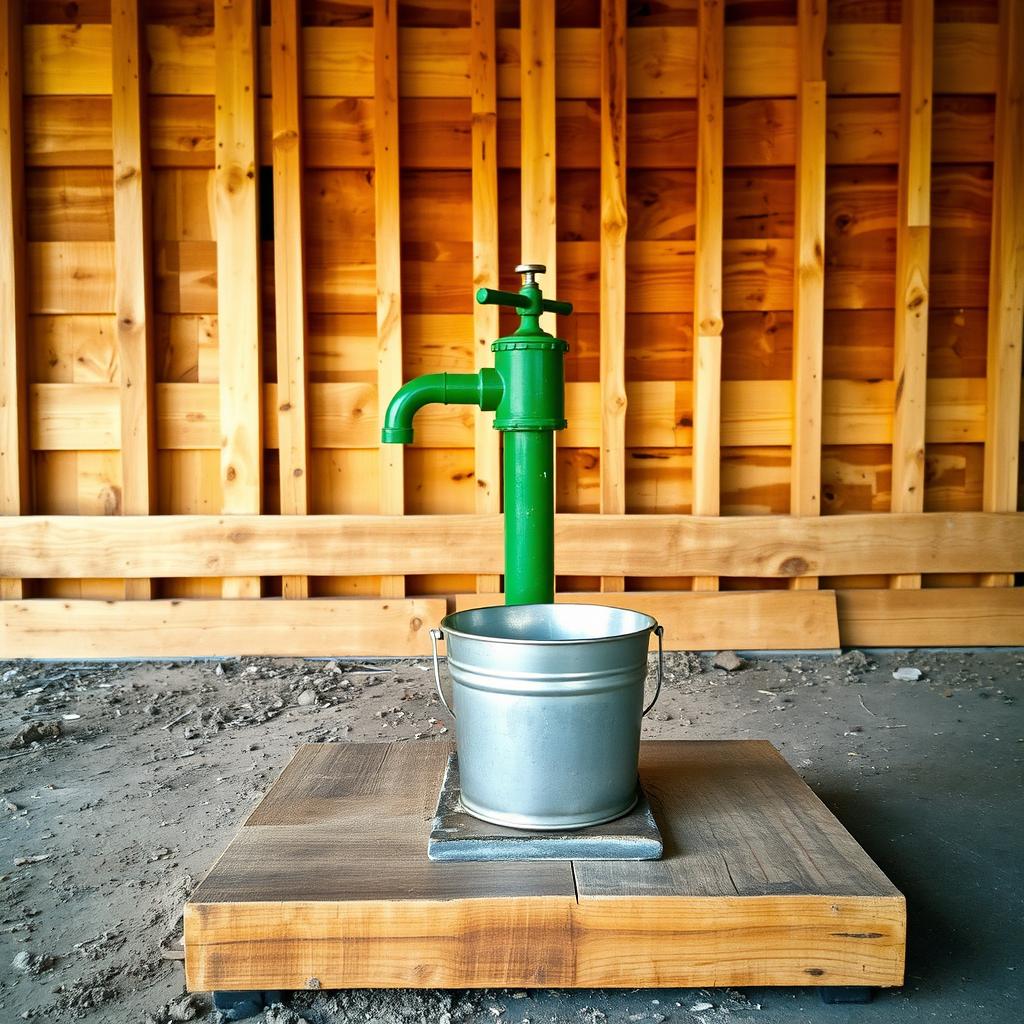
(133, 298)
(780, 547)
(759, 884)
(238, 269)
(1006, 278)
(614, 224)
(941, 617)
(289, 270)
(14, 419)
(707, 273)
(538, 141)
(484, 112)
(388, 257)
(721, 620)
(913, 242)
(809, 268)
(58, 628)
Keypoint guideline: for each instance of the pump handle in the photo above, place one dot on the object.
(494, 297)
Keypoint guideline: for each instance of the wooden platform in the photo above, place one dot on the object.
(328, 883)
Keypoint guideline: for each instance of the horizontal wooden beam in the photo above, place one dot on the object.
(715, 620)
(761, 60)
(940, 617)
(217, 628)
(85, 417)
(72, 547)
(761, 620)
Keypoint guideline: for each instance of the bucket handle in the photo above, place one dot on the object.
(435, 635)
(660, 632)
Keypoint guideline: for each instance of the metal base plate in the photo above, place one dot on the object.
(456, 835)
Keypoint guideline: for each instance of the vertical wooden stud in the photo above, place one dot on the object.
(483, 77)
(238, 273)
(14, 417)
(910, 343)
(707, 275)
(1006, 278)
(133, 303)
(537, 130)
(808, 269)
(289, 268)
(613, 265)
(388, 255)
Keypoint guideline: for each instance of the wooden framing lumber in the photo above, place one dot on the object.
(913, 239)
(133, 322)
(219, 628)
(717, 620)
(809, 269)
(537, 144)
(1006, 278)
(939, 617)
(707, 274)
(289, 270)
(779, 547)
(613, 265)
(483, 74)
(388, 257)
(763, 61)
(238, 271)
(14, 411)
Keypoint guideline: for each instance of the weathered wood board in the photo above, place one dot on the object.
(328, 882)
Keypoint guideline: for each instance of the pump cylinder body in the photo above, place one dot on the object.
(529, 461)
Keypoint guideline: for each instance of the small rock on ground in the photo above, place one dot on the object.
(729, 661)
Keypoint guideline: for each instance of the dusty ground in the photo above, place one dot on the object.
(104, 829)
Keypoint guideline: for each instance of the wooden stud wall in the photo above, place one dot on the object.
(794, 242)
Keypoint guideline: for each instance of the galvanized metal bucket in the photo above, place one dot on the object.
(548, 701)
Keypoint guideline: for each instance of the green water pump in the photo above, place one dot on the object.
(526, 391)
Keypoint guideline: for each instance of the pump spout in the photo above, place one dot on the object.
(484, 389)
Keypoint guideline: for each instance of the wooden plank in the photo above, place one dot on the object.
(537, 126)
(133, 293)
(219, 628)
(70, 547)
(762, 885)
(940, 617)
(707, 273)
(863, 60)
(913, 239)
(1006, 279)
(15, 481)
(809, 269)
(720, 620)
(483, 75)
(238, 270)
(344, 414)
(388, 257)
(613, 265)
(289, 270)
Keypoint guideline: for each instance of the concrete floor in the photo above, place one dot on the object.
(105, 829)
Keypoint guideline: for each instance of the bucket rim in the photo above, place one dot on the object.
(449, 630)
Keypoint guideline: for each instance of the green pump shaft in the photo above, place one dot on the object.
(526, 392)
